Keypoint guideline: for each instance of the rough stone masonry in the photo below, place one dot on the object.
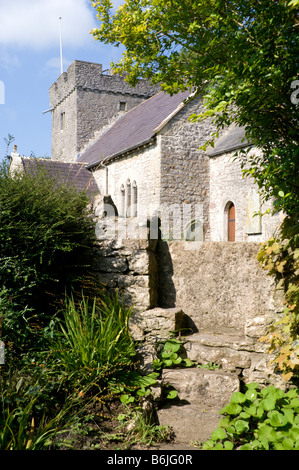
(214, 293)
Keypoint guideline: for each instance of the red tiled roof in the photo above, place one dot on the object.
(134, 128)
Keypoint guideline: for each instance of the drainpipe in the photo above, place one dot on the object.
(106, 168)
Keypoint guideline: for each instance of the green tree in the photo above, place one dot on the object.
(242, 57)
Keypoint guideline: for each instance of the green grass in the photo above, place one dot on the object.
(94, 336)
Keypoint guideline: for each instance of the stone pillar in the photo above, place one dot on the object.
(130, 268)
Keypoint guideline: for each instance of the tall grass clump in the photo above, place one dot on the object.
(94, 337)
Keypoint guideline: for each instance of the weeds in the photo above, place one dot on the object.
(93, 337)
(140, 428)
(61, 395)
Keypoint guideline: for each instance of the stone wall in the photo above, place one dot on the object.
(219, 286)
(228, 185)
(130, 268)
(214, 292)
(184, 167)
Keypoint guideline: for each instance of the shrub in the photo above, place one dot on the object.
(280, 258)
(44, 226)
(258, 419)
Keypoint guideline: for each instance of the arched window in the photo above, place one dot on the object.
(231, 221)
(129, 198)
(195, 231)
(135, 199)
(62, 121)
(122, 201)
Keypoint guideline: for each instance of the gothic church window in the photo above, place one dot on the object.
(129, 199)
(123, 201)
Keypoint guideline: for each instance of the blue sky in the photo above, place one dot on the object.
(30, 63)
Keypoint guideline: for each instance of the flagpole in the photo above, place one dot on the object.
(61, 63)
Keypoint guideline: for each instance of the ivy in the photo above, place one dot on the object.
(280, 258)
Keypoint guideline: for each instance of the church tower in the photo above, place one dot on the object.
(84, 101)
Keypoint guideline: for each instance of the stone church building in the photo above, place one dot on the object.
(140, 148)
(143, 151)
(139, 155)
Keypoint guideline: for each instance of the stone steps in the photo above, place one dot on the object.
(240, 354)
(228, 351)
(202, 386)
(190, 423)
(202, 393)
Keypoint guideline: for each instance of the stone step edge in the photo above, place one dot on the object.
(202, 386)
(216, 340)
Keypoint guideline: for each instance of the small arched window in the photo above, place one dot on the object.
(62, 121)
(231, 221)
(129, 198)
(194, 231)
(123, 201)
(135, 199)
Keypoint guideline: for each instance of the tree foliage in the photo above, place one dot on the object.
(280, 258)
(242, 57)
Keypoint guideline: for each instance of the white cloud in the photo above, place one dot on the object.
(54, 65)
(8, 61)
(34, 24)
